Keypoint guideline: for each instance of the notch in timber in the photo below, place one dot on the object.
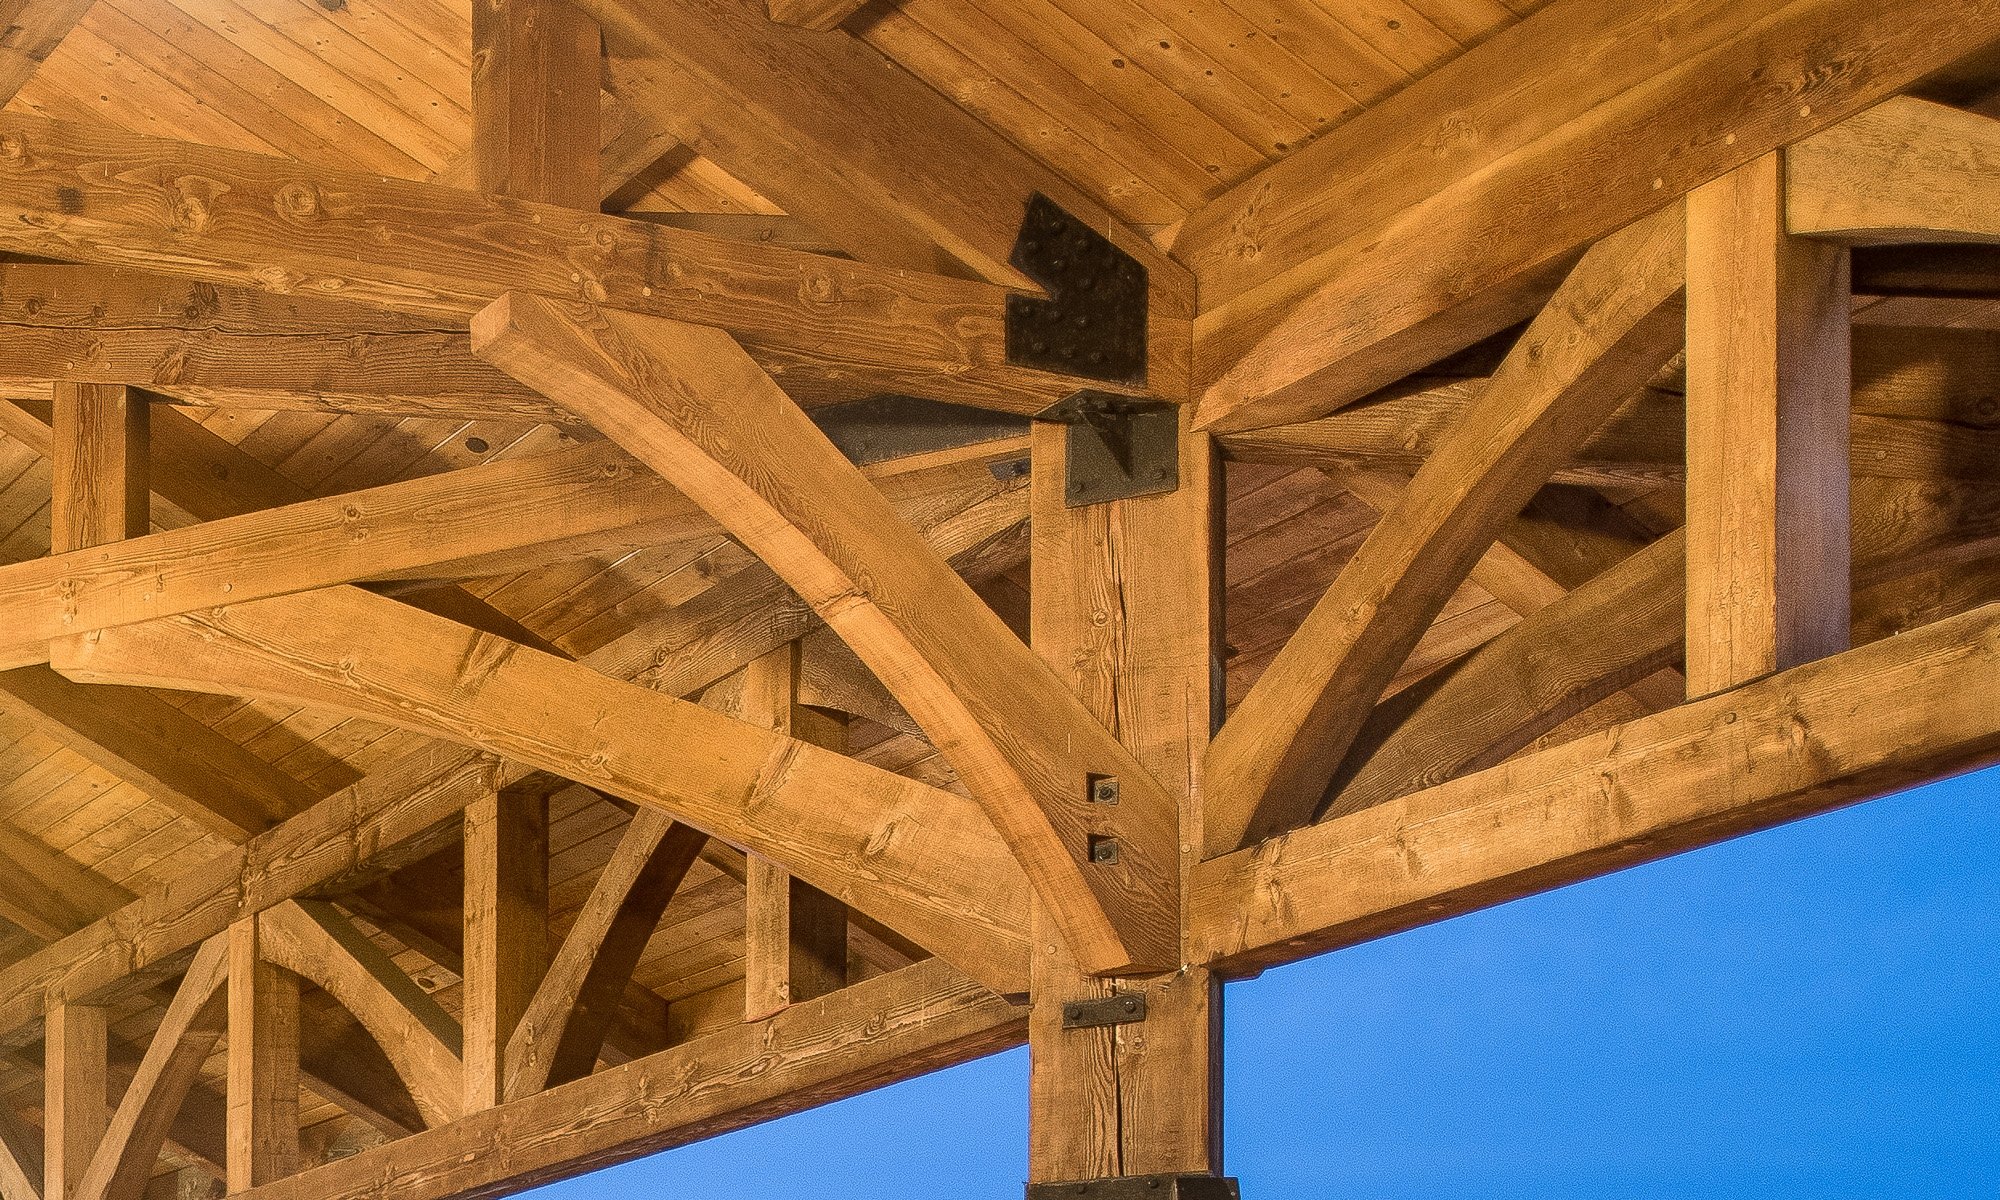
(1093, 323)
(1118, 447)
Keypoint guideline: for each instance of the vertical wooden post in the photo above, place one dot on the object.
(102, 486)
(506, 930)
(795, 936)
(1768, 400)
(76, 1103)
(1126, 609)
(263, 1142)
(536, 67)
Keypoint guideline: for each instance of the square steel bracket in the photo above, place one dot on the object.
(1140, 1187)
(1118, 446)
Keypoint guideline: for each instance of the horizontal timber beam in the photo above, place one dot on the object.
(225, 217)
(83, 297)
(897, 1026)
(1433, 219)
(1861, 724)
(391, 374)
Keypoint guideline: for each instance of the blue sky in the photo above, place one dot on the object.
(1810, 1011)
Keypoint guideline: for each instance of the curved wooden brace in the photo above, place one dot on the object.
(923, 861)
(20, 1159)
(688, 401)
(1610, 327)
(314, 941)
(558, 1037)
(194, 1021)
(1906, 170)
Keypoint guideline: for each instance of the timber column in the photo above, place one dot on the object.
(1126, 1073)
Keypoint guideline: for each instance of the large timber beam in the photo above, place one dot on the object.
(688, 402)
(225, 217)
(388, 374)
(935, 870)
(842, 137)
(1614, 323)
(1860, 724)
(1433, 219)
(896, 1026)
(1906, 170)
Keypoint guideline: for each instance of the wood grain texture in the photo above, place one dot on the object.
(195, 1020)
(263, 1063)
(558, 1037)
(1768, 390)
(315, 941)
(1785, 747)
(20, 1158)
(813, 14)
(1456, 196)
(76, 1108)
(936, 872)
(894, 1027)
(506, 931)
(226, 217)
(1613, 325)
(535, 71)
(1125, 607)
(100, 493)
(34, 29)
(1906, 170)
(688, 402)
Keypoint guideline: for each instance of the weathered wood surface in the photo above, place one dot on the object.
(1431, 220)
(691, 404)
(936, 872)
(247, 220)
(1614, 323)
(894, 1027)
(1816, 737)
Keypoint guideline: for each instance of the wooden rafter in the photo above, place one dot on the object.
(1906, 170)
(688, 402)
(1316, 294)
(1614, 323)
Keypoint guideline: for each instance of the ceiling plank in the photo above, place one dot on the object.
(1434, 218)
(688, 402)
(34, 29)
(1615, 322)
(813, 14)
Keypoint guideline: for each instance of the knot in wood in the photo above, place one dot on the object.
(298, 201)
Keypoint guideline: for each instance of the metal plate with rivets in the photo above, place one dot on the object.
(1093, 323)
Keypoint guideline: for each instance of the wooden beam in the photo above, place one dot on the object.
(101, 493)
(1126, 609)
(109, 300)
(558, 1038)
(1772, 751)
(1768, 413)
(836, 133)
(535, 71)
(405, 246)
(315, 941)
(46, 892)
(376, 374)
(1433, 219)
(1612, 326)
(942, 878)
(813, 14)
(20, 1158)
(34, 28)
(194, 1021)
(263, 1063)
(893, 1027)
(688, 402)
(76, 1106)
(1906, 170)
(506, 930)
(141, 739)
(794, 935)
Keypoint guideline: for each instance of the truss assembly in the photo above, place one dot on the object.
(748, 584)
